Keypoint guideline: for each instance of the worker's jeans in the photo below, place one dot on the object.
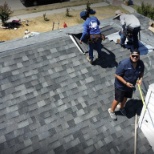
(95, 45)
(135, 32)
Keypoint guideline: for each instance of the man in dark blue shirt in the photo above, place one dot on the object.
(92, 31)
(129, 72)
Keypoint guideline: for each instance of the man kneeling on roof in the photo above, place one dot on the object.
(130, 28)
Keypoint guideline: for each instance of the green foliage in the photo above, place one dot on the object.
(5, 12)
(146, 10)
(88, 6)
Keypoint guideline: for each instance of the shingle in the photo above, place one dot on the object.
(57, 101)
(99, 144)
(89, 149)
(12, 115)
(23, 124)
(3, 139)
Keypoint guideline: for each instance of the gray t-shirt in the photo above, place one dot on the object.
(129, 20)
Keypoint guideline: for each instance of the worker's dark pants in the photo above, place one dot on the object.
(95, 45)
(135, 33)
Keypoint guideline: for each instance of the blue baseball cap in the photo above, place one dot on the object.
(92, 11)
(83, 14)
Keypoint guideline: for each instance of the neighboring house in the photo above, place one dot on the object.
(52, 101)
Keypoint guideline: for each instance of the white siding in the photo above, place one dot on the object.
(146, 121)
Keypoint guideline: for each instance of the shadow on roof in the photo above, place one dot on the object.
(133, 107)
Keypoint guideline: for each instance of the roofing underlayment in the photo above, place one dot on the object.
(52, 101)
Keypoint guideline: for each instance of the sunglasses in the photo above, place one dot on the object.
(135, 56)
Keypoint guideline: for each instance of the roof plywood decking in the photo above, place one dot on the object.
(106, 30)
(53, 101)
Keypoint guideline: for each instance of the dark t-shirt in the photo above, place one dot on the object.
(126, 70)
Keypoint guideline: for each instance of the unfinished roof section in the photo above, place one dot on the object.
(106, 30)
(53, 101)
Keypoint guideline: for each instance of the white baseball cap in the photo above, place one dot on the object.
(117, 14)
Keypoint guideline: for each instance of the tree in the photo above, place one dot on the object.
(88, 8)
(146, 10)
(5, 12)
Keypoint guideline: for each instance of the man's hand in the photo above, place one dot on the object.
(118, 41)
(139, 82)
(80, 42)
(103, 37)
(129, 85)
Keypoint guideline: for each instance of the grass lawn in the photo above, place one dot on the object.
(38, 24)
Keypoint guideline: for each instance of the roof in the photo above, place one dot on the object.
(53, 101)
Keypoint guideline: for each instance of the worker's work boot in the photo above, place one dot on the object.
(123, 45)
(90, 60)
(99, 56)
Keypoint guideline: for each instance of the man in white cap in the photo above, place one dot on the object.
(131, 24)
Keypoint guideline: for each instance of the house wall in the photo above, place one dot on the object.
(146, 121)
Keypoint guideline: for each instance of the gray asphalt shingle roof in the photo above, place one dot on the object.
(53, 101)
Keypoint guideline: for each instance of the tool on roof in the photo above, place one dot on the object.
(142, 98)
(136, 119)
(135, 135)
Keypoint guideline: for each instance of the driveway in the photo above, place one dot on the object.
(13, 4)
(37, 14)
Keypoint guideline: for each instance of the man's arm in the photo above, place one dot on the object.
(139, 81)
(123, 22)
(84, 32)
(121, 79)
(98, 22)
